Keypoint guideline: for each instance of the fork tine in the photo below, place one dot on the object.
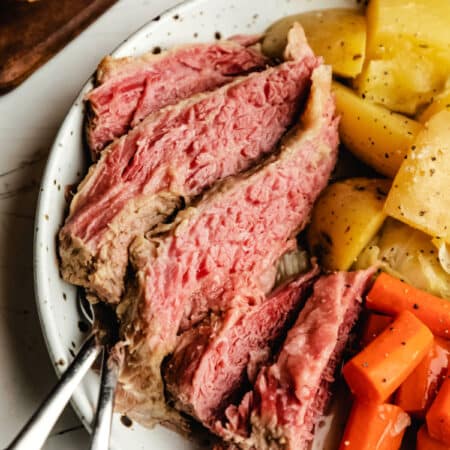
(85, 307)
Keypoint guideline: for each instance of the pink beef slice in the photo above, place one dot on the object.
(171, 156)
(290, 396)
(213, 362)
(129, 89)
(222, 252)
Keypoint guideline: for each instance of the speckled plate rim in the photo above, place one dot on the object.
(41, 291)
(46, 227)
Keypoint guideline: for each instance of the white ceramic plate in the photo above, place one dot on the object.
(193, 21)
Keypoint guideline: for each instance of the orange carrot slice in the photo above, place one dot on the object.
(374, 325)
(438, 416)
(418, 391)
(378, 370)
(374, 426)
(391, 296)
(426, 442)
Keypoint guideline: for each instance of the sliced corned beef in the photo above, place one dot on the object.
(215, 361)
(129, 89)
(289, 396)
(224, 249)
(171, 156)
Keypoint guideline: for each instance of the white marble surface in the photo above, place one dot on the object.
(29, 119)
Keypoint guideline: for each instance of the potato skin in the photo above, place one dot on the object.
(375, 135)
(339, 35)
(420, 194)
(346, 217)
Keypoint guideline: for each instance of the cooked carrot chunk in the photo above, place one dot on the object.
(391, 296)
(374, 426)
(426, 442)
(374, 325)
(379, 369)
(438, 416)
(418, 391)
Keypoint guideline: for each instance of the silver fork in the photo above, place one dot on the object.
(36, 430)
(108, 329)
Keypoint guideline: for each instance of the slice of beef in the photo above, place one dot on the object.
(215, 361)
(170, 157)
(289, 396)
(129, 89)
(224, 250)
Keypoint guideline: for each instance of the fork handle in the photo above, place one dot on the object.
(37, 429)
(103, 417)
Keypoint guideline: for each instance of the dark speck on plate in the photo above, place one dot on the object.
(156, 50)
(83, 326)
(126, 421)
(217, 35)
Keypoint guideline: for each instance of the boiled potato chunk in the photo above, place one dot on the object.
(423, 23)
(339, 35)
(420, 194)
(346, 217)
(441, 102)
(377, 136)
(403, 83)
(408, 52)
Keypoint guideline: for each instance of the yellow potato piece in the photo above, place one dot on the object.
(424, 23)
(403, 83)
(346, 217)
(408, 52)
(441, 102)
(420, 194)
(339, 35)
(375, 135)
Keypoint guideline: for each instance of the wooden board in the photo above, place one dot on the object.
(31, 33)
